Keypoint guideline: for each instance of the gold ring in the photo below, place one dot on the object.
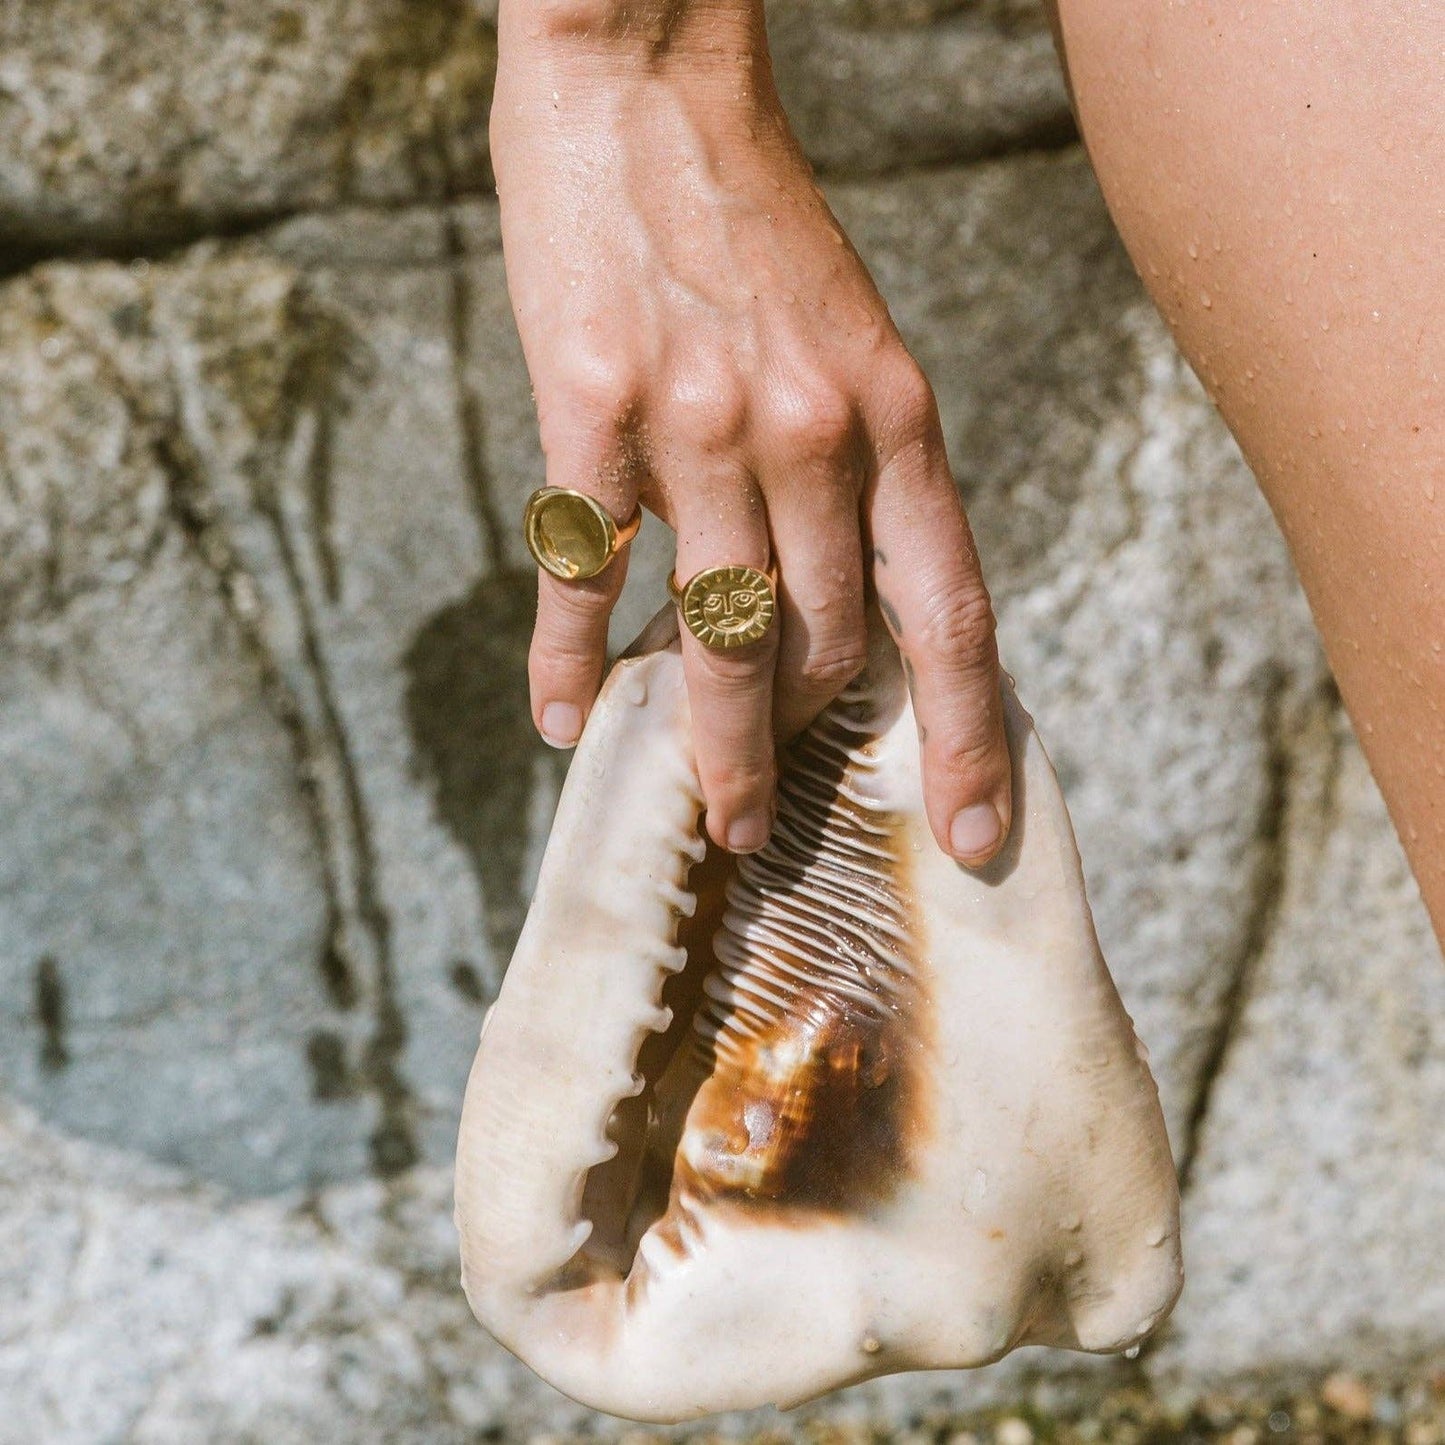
(726, 607)
(573, 536)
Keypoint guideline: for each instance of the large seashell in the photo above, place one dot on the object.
(744, 1130)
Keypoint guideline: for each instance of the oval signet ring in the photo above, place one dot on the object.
(573, 536)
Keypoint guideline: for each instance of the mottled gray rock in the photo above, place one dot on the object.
(1314, 1217)
(875, 86)
(141, 1308)
(124, 124)
(162, 917)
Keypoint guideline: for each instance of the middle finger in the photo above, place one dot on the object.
(730, 692)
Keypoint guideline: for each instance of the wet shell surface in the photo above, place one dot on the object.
(743, 1130)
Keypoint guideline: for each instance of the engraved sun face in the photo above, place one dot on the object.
(731, 611)
(728, 606)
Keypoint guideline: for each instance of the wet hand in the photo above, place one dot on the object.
(702, 338)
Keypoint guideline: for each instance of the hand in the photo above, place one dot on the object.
(703, 338)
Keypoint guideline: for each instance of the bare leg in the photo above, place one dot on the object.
(1278, 175)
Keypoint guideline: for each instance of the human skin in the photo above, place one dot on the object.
(1278, 175)
(702, 337)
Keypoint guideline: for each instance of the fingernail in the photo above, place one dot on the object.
(562, 724)
(975, 831)
(748, 834)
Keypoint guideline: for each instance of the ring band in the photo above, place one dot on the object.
(573, 536)
(726, 607)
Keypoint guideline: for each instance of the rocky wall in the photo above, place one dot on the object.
(270, 801)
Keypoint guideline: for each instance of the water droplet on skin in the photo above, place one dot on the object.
(1132, 1353)
(871, 1344)
(1158, 1237)
(1146, 1324)
(1071, 1223)
(1074, 1258)
(1206, 300)
(1429, 491)
(1194, 250)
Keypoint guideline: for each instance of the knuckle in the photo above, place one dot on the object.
(597, 385)
(909, 401)
(815, 423)
(707, 409)
(829, 669)
(735, 679)
(733, 784)
(578, 607)
(959, 628)
(558, 662)
(972, 751)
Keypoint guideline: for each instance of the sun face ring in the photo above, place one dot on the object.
(726, 607)
(573, 536)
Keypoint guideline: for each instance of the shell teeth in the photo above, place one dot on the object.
(678, 899)
(693, 846)
(608, 1150)
(639, 1083)
(661, 1021)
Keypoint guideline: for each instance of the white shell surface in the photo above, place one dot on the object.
(901, 1120)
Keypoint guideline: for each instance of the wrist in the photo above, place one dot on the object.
(655, 34)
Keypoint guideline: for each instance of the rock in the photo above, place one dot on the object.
(164, 968)
(1315, 1195)
(125, 126)
(876, 86)
(141, 1308)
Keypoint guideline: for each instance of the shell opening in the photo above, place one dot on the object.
(787, 1081)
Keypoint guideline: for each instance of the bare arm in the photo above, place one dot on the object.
(702, 336)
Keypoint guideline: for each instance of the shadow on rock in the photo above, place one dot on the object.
(470, 719)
